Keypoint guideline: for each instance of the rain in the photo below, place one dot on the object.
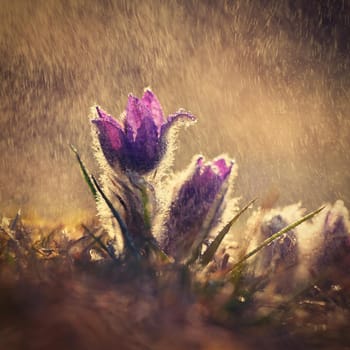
(269, 82)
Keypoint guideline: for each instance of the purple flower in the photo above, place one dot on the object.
(194, 201)
(335, 246)
(140, 143)
(282, 252)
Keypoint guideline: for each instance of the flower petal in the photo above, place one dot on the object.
(136, 111)
(223, 169)
(172, 118)
(200, 161)
(192, 204)
(111, 135)
(146, 150)
(150, 100)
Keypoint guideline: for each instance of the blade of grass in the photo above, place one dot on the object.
(126, 236)
(86, 175)
(99, 241)
(210, 252)
(275, 236)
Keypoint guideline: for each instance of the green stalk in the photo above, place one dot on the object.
(145, 202)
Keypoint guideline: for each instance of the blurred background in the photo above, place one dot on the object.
(268, 80)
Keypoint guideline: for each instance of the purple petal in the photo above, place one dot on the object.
(214, 172)
(200, 161)
(281, 253)
(136, 111)
(150, 100)
(146, 149)
(111, 135)
(223, 169)
(172, 118)
(103, 115)
(207, 174)
(191, 206)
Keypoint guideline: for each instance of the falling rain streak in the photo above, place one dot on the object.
(268, 81)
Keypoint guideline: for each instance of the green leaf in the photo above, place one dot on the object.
(85, 172)
(273, 237)
(210, 252)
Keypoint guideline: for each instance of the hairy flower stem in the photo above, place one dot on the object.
(127, 239)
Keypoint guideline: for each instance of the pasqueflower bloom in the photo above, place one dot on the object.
(282, 252)
(335, 245)
(193, 202)
(139, 143)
